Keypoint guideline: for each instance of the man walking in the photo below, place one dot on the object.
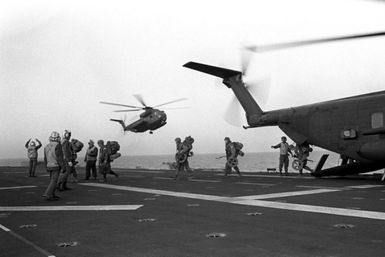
(53, 158)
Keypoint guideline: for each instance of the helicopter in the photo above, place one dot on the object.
(353, 127)
(151, 119)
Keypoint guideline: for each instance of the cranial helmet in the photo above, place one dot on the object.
(67, 134)
(178, 139)
(55, 137)
(227, 139)
(32, 143)
(100, 142)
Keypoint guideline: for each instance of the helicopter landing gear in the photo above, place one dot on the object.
(151, 132)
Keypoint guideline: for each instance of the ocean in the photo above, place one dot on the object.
(251, 162)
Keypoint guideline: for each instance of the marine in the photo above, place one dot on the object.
(182, 155)
(105, 160)
(232, 149)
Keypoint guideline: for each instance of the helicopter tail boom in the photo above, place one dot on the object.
(232, 79)
(120, 122)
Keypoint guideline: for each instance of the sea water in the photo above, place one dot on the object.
(251, 162)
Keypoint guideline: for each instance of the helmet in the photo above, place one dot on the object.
(67, 134)
(100, 142)
(177, 139)
(55, 137)
(91, 142)
(227, 139)
(32, 143)
(190, 139)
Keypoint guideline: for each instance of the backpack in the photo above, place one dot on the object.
(238, 146)
(114, 147)
(77, 146)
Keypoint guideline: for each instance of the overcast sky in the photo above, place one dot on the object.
(58, 59)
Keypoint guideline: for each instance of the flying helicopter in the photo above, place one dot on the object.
(151, 119)
(353, 127)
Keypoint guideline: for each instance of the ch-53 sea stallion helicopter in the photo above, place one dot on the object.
(353, 126)
(151, 119)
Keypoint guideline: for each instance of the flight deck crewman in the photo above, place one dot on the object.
(32, 149)
(68, 161)
(90, 160)
(53, 158)
(284, 151)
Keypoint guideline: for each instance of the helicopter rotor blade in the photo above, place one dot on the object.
(139, 97)
(272, 47)
(123, 105)
(175, 108)
(245, 59)
(260, 89)
(233, 113)
(132, 110)
(174, 101)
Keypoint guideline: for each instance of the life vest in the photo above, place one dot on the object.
(92, 153)
(284, 149)
(50, 155)
(32, 152)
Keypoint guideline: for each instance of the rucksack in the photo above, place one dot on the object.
(238, 146)
(77, 146)
(114, 147)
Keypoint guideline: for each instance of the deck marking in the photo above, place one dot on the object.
(287, 194)
(18, 187)
(259, 203)
(256, 184)
(316, 187)
(291, 176)
(204, 180)
(72, 208)
(37, 248)
(364, 186)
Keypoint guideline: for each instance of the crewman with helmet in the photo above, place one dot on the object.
(32, 152)
(90, 160)
(53, 158)
(284, 151)
(232, 149)
(68, 156)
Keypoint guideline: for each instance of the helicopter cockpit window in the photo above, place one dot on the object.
(377, 120)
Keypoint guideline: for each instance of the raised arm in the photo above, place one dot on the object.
(26, 144)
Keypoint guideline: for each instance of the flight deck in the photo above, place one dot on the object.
(147, 213)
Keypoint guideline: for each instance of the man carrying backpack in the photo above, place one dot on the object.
(105, 154)
(233, 149)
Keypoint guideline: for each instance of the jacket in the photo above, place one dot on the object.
(53, 156)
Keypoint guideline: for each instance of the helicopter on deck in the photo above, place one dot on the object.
(151, 119)
(353, 126)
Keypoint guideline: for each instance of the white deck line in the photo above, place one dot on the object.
(72, 208)
(288, 194)
(18, 187)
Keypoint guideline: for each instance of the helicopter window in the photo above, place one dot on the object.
(377, 120)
